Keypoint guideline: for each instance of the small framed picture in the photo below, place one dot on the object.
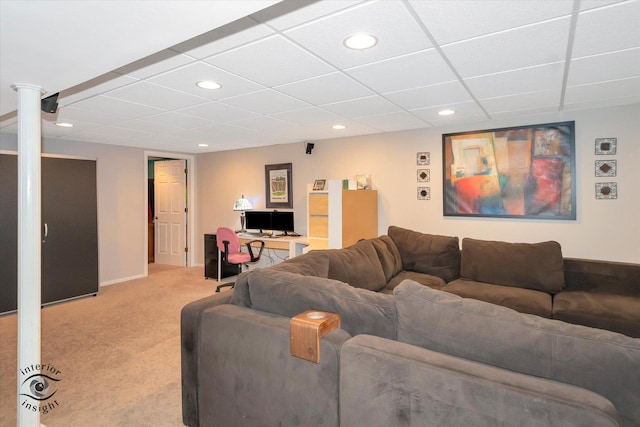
(606, 167)
(424, 193)
(606, 146)
(606, 190)
(424, 175)
(423, 158)
(318, 184)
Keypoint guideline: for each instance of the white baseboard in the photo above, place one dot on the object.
(123, 279)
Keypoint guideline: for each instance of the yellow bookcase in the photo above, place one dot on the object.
(338, 218)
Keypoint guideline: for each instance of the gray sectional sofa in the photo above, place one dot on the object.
(409, 354)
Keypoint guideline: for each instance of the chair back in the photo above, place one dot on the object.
(225, 233)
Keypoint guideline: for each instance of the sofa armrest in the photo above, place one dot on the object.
(189, 323)
(385, 382)
(247, 376)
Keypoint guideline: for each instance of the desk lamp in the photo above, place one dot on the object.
(242, 205)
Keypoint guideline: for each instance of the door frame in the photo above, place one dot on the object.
(191, 203)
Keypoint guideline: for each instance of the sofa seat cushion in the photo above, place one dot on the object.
(502, 337)
(434, 282)
(519, 299)
(536, 266)
(427, 253)
(287, 294)
(388, 383)
(600, 310)
(357, 265)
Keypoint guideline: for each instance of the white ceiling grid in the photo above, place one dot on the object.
(287, 77)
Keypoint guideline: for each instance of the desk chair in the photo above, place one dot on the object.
(229, 245)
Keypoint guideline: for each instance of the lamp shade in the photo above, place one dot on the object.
(242, 204)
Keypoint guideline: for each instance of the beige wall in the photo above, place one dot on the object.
(604, 229)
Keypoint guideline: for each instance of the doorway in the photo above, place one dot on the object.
(185, 228)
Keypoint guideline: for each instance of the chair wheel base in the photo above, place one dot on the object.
(224, 285)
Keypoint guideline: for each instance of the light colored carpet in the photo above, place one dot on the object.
(118, 352)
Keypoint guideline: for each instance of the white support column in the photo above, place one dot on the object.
(29, 241)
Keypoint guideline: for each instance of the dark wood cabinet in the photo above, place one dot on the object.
(211, 260)
(69, 233)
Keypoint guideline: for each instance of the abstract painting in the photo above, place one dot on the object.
(516, 172)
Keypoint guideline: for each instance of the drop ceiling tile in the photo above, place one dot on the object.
(543, 77)
(217, 112)
(98, 138)
(608, 66)
(289, 14)
(144, 125)
(607, 29)
(234, 34)
(325, 89)
(602, 103)
(603, 90)
(280, 62)
(464, 111)
(325, 37)
(430, 96)
(183, 121)
(394, 122)
(524, 113)
(451, 21)
(154, 95)
(153, 64)
(410, 71)
(522, 102)
(266, 102)
(93, 87)
(509, 50)
(369, 106)
(308, 116)
(162, 140)
(118, 132)
(49, 128)
(262, 124)
(105, 110)
(185, 78)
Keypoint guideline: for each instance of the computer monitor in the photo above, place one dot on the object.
(258, 220)
(282, 221)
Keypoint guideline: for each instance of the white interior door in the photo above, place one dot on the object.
(170, 212)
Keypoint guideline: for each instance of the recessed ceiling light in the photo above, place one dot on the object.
(338, 127)
(446, 112)
(203, 145)
(64, 124)
(360, 41)
(208, 84)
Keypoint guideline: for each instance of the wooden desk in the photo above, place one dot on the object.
(294, 245)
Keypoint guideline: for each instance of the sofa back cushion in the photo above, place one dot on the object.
(388, 255)
(357, 265)
(536, 266)
(427, 253)
(605, 362)
(288, 294)
(313, 263)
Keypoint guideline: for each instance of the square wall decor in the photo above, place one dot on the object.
(606, 146)
(423, 158)
(424, 175)
(424, 193)
(606, 190)
(606, 167)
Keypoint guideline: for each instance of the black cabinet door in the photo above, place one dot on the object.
(8, 232)
(211, 260)
(70, 219)
(70, 248)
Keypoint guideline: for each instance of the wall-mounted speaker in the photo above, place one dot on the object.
(49, 104)
(309, 147)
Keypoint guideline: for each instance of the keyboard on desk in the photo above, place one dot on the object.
(252, 234)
